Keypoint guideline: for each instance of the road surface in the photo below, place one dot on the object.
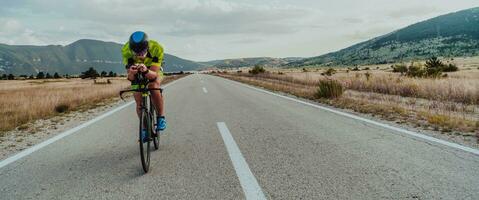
(228, 141)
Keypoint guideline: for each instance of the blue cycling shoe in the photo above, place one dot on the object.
(161, 124)
(143, 136)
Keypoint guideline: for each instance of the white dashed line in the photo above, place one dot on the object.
(248, 182)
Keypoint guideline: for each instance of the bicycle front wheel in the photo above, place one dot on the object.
(155, 134)
(145, 126)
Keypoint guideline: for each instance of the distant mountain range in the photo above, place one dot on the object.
(246, 62)
(74, 58)
(451, 35)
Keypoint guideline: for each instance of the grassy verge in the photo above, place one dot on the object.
(449, 117)
(23, 101)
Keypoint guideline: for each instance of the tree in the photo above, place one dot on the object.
(11, 77)
(257, 69)
(56, 75)
(48, 76)
(103, 74)
(40, 75)
(4, 77)
(90, 73)
(433, 67)
(111, 74)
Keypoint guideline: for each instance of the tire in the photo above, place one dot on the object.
(145, 146)
(156, 136)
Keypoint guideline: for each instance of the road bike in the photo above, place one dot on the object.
(147, 119)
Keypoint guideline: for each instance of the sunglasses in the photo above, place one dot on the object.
(141, 53)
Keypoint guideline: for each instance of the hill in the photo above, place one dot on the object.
(74, 58)
(247, 62)
(451, 35)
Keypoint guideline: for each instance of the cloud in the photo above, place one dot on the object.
(413, 11)
(220, 28)
(13, 32)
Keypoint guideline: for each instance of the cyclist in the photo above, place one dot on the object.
(141, 55)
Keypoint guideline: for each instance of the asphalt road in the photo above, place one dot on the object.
(227, 141)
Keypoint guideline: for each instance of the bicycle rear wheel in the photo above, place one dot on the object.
(145, 124)
(155, 134)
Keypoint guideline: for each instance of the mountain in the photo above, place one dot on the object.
(450, 35)
(247, 62)
(74, 58)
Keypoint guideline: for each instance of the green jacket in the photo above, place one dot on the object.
(153, 58)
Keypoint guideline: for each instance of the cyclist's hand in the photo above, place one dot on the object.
(133, 70)
(142, 68)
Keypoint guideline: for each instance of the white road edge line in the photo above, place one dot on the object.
(248, 182)
(45, 143)
(404, 131)
(204, 90)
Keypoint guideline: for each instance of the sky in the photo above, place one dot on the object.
(203, 30)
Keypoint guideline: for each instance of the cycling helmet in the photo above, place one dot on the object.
(139, 42)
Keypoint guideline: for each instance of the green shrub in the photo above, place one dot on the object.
(415, 71)
(450, 68)
(356, 69)
(257, 70)
(61, 108)
(329, 89)
(399, 68)
(329, 72)
(434, 67)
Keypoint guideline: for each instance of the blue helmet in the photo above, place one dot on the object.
(138, 42)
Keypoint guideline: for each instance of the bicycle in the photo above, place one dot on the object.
(147, 120)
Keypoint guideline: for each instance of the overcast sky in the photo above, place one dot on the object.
(216, 29)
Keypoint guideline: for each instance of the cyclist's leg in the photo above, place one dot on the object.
(156, 95)
(138, 100)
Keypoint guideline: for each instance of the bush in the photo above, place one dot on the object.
(415, 71)
(90, 73)
(329, 72)
(257, 69)
(329, 89)
(61, 108)
(356, 69)
(434, 67)
(40, 75)
(399, 68)
(450, 68)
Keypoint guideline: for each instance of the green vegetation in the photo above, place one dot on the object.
(433, 68)
(329, 72)
(400, 68)
(74, 58)
(451, 35)
(329, 89)
(258, 69)
(90, 73)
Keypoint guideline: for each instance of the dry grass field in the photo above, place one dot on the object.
(22, 101)
(449, 105)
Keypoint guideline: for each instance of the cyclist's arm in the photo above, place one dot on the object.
(132, 71)
(152, 72)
